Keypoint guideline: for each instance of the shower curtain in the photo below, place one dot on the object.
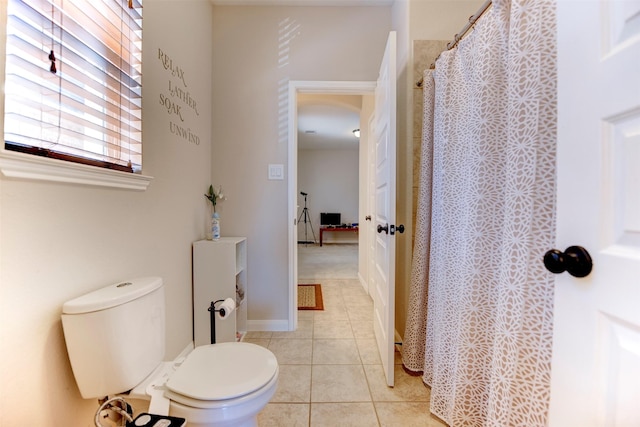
(481, 303)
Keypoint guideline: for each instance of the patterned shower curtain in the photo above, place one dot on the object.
(481, 303)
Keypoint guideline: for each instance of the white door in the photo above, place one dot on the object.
(595, 377)
(384, 138)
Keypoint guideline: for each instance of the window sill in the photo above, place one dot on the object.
(25, 166)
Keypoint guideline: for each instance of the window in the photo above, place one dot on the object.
(73, 83)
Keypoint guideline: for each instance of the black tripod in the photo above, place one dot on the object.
(307, 220)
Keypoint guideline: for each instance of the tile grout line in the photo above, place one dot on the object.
(366, 378)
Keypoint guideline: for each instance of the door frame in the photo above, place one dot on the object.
(296, 87)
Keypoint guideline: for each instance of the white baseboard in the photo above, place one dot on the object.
(267, 325)
(339, 241)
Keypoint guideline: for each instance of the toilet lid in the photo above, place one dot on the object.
(223, 371)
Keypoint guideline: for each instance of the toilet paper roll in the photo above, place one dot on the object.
(226, 308)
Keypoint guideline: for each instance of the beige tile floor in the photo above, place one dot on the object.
(330, 370)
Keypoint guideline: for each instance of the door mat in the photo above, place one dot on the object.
(310, 297)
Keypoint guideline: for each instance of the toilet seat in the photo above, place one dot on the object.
(214, 373)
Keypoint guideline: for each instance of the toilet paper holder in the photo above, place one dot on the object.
(225, 309)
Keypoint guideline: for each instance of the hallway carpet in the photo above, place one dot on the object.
(331, 261)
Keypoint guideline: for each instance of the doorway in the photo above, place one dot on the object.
(308, 92)
(328, 167)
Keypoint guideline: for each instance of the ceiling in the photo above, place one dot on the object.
(326, 122)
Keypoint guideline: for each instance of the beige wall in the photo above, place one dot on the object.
(330, 177)
(59, 241)
(256, 52)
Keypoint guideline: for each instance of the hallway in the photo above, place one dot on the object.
(330, 370)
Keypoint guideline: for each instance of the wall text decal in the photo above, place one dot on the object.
(178, 101)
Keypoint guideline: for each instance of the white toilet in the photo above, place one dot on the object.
(115, 340)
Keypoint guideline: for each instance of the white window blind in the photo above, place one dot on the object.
(73, 86)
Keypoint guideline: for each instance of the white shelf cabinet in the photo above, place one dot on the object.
(219, 270)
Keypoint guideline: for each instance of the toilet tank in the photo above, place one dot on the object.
(115, 335)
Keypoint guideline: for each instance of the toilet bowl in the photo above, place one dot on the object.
(115, 341)
(224, 384)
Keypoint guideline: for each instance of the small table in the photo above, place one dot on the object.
(323, 229)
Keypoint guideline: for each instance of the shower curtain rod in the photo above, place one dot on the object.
(459, 36)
